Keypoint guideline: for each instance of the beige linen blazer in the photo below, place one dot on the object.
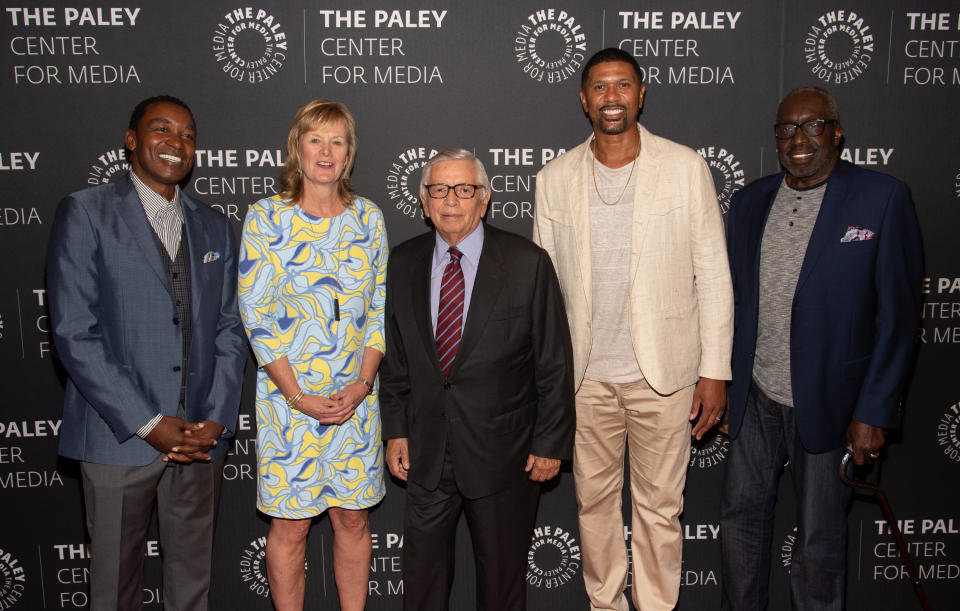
(681, 312)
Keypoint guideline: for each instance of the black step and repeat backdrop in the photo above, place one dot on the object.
(501, 78)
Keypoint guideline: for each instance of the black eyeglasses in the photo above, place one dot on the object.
(462, 191)
(813, 127)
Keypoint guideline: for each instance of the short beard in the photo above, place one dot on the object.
(612, 129)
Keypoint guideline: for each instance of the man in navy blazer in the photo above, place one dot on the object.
(827, 264)
(142, 282)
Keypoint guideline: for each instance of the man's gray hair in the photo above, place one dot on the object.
(453, 155)
(826, 95)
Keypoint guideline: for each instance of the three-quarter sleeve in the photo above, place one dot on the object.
(259, 271)
(373, 333)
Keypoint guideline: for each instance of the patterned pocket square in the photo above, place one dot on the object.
(211, 256)
(856, 234)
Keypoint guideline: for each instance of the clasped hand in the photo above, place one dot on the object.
(183, 441)
(335, 409)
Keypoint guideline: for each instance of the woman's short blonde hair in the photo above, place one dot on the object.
(317, 114)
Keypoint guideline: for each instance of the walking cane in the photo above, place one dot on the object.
(892, 523)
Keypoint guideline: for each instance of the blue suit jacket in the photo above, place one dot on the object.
(112, 311)
(856, 308)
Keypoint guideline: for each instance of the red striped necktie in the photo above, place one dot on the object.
(450, 314)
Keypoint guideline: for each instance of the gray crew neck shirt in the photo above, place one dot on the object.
(784, 245)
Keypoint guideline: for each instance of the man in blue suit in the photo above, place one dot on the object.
(827, 264)
(142, 282)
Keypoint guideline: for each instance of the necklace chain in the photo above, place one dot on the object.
(593, 171)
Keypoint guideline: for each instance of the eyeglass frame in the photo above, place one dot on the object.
(454, 187)
(802, 127)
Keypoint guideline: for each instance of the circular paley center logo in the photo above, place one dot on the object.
(709, 451)
(838, 46)
(947, 429)
(253, 567)
(402, 183)
(13, 580)
(553, 558)
(786, 549)
(728, 175)
(550, 46)
(108, 167)
(249, 45)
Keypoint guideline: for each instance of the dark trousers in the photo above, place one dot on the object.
(119, 501)
(500, 526)
(767, 439)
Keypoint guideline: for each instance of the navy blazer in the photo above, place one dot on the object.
(856, 308)
(112, 314)
(510, 390)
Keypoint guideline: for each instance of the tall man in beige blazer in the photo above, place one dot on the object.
(632, 224)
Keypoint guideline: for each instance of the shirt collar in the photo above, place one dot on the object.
(153, 203)
(470, 246)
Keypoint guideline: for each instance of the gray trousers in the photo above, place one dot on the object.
(119, 501)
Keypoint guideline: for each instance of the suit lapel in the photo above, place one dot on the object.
(648, 171)
(825, 227)
(420, 293)
(578, 190)
(486, 291)
(198, 244)
(131, 211)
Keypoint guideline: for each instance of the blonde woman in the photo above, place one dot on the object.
(311, 282)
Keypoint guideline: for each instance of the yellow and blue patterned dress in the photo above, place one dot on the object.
(292, 268)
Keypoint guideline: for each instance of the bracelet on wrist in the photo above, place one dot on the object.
(366, 383)
(292, 401)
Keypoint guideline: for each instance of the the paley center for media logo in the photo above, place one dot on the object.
(839, 46)
(13, 580)
(108, 167)
(553, 558)
(728, 175)
(550, 45)
(403, 179)
(947, 429)
(786, 549)
(709, 452)
(249, 45)
(253, 567)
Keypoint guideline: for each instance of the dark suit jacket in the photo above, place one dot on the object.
(856, 308)
(112, 313)
(510, 390)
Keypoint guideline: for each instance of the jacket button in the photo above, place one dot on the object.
(447, 386)
(176, 367)
(176, 320)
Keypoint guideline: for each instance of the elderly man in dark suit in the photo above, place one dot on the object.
(827, 264)
(143, 300)
(477, 388)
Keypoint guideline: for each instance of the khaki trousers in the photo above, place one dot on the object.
(657, 429)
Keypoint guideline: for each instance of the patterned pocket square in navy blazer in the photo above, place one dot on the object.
(856, 234)
(211, 256)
